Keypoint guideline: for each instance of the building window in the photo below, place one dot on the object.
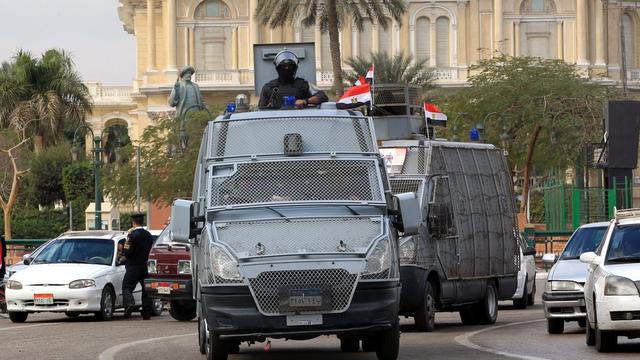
(538, 34)
(212, 9)
(537, 7)
(325, 51)
(629, 41)
(364, 40)
(422, 38)
(384, 38)
(442, 42)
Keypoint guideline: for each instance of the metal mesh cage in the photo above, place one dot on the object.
(300, 235)
(396, 99)
(324, 134)
(298, 180)
(401, 185)
(272, 290)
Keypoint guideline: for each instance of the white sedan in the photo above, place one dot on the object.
(77, 273)
(612, 287)
(526, 290)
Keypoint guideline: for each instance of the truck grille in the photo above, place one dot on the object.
(271, 290)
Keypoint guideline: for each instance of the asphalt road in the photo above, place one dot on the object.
(517, 334)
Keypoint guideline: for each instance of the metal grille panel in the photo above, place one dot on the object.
(403, 185)
(304, 235)
(298, 180)
(233, 138)
(271, 290)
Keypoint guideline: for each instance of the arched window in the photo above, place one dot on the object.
(325, 51)
(212, 43)
(307, 34)
(538, 34)
(364, 40)
(629, 41)
(212, 9)
(442, 41)
(537, 7)
(422, 38)
(384, 38)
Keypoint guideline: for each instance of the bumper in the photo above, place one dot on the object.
(619, 306)
(569, 306)
(231, 312)
(64, 299)
(178, 289)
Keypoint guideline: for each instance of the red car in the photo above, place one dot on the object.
(170, 276)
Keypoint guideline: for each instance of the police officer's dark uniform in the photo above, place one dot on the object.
(136, 250)
(287, 84)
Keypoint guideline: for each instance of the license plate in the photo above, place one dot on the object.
(43, 299)
(164, 290)
(302, 320)
(305, 297)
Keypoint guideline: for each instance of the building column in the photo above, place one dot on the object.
(234, 48)
(396, 38)
(254, 29)
(581, 30)
(375, 39)
(192, 44)
(600, 35)
(318, 46)
(151, 35)
(516, 38)
(498, 34)
(560, 39)
(171, 34)
(462, 33)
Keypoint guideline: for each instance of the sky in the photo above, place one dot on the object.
(88, 29)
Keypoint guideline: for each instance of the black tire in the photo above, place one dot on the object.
(107, 304)
(531, 298)
(468, 317)
(234, 348)
(349, 344)
(425, 316)
(216, 348)
(487, 310)
(183, 310)
(202, 336)
(72, 314)
(582, 323)
(591, 335)
(388, 345)
(369, 344)
(606, 341)
(157, 307)
(555, 326)
(18, 317)
(524, 300)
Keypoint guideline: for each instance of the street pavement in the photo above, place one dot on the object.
(519, 334)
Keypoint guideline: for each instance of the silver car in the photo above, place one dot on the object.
(563, 297)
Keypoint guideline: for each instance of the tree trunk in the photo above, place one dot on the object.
(527, 167)
(38, 144)
(7, 222)
(334, 44)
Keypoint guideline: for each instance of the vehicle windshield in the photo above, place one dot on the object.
(583, 240)
(77, 251)
(625, 244)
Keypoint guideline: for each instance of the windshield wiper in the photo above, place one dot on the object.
(625, 259)
(41, 261)
(75, 262)
(277, 212)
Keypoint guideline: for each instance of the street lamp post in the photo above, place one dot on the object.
(481, 127)
(97, 164)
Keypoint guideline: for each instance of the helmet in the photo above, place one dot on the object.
(285, 57)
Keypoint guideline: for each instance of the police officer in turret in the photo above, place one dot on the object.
(136, 251)
(288, 85)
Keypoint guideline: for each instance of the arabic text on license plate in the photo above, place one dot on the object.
(43, 299)
(305, 297)
(164, 290)
(304, 320)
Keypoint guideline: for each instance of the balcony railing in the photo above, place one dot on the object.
(444, 74)
(224, 77)
(633, 75)
(109, 94)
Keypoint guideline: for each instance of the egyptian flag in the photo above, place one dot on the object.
(370, 73)
(355, 96)
(361, 80)
(434, 115)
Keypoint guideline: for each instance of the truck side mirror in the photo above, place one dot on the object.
(410, 213)
(182, 220)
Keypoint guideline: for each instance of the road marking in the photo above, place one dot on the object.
(110, 353)
(26, 326)
(465, 340)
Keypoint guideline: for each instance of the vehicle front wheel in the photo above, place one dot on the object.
(183, 310)
(157, 307)
(18, 317)
(349, 344)
(425, 316)
(216, 349)
(202, 336)
(107, 303)
(524, 300)
(591, 335)
(389, 343)
(606, 341)
(555, 326)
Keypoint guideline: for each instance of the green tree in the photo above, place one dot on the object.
(392, 69)
(44, 181)
(78, 185)
(330, 15)
(38, 96)
(548, 110)
(12, 169)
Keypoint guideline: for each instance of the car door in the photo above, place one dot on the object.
(118, 273)
(593, 272)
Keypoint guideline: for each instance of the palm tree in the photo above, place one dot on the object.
(396, 69)
(38, 96)
(330, 15)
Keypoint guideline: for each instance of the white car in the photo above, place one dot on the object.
(611, 291)
(526, 290)
(76, 273)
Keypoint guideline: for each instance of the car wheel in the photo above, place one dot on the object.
(107, 303)
(202, 336)
(487, 310)
(591, 335)
(369, 344)
(425, 316)
(606, 341)
(216, 348)
(349, 344)
(468, 317)
(524, 300)
(72, 314)
(531, 298)
(183, 310)
(389, 343)
(18, 317)
(582, 323)
(555, 326)
(157, 307)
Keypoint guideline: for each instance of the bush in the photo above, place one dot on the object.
(31, 223)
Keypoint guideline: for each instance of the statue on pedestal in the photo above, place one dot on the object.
(185, 96)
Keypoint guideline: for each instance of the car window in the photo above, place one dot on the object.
(164, 237)
(583, 240)
(625, 244)
(82, 251)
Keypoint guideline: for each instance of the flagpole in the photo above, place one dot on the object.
(373, 85)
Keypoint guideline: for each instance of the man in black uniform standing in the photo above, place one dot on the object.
(136, 251)
(287, 84)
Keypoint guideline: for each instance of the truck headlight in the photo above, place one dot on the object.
(223, 264)
(408, 250)
(82, 283)
(152, 267)
(13, 285)
(184, 266)
(379, 259)
(563, 286)
(619, 286)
